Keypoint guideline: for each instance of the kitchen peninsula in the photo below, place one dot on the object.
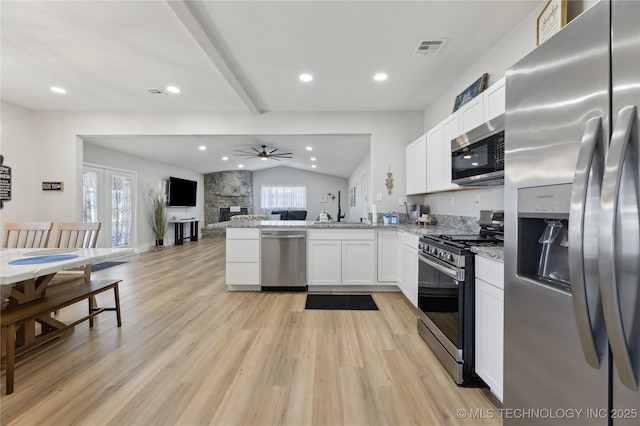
(340, 256)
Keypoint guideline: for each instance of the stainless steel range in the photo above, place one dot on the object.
(446, 294)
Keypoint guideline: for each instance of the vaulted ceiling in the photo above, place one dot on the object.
(242, 55)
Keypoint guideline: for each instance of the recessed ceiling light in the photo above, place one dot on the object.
(225, 158)
(306, 77)
(313, 158)
(56, 89)
(173, 89)
(202, 148)
(380, 76)
(240, 166)
(313, 166)
(309, 148)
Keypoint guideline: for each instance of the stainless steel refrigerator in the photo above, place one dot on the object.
(572, 234)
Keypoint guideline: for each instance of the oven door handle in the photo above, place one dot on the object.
(456, 274)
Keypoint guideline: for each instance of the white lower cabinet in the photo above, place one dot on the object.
(489, 323)
(358, 259)
(387, 256)
(324, 258)
(341, 257)
(408, 266)
(243, 257)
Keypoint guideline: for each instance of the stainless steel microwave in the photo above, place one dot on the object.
(477, 157)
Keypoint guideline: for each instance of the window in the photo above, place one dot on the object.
(283, 197)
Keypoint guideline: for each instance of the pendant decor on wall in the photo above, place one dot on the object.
(389, 179)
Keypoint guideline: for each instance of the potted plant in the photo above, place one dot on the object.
(158, 215)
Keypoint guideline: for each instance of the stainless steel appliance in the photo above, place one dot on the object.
(283, 260)
(446, 295)
(572, 246)
(477, 157)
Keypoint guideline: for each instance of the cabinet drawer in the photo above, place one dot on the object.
(243, 273)
(243, 233)
(490, 271)
(243, 250)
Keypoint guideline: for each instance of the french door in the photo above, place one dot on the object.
(109, 197)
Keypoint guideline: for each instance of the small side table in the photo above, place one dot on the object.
(179, 230)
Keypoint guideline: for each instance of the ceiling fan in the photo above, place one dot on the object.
(264, 154)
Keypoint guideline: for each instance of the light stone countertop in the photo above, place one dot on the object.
(494, 253)
(302, 224)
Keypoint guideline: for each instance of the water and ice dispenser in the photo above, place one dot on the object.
(543, 237)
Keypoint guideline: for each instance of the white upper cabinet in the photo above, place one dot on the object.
(494, 100)
(450, 130)
(429, 157)
(416, 166)
(439, 154)
(434, 157)
(471, 114)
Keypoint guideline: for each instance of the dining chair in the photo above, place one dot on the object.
(70, 235)
(26, 234)
(77, 235)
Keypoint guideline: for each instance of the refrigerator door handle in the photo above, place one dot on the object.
(590, 159)
(608, 213)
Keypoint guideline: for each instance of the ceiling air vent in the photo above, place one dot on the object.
(156, 91)
(429, 47)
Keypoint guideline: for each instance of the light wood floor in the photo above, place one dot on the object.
(191, 353)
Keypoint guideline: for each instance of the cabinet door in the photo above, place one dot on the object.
(358, 259)
(471, 114)
(416, 163)
(450, 131)
(489, 335)
(410, 274)
(324, 262)
(387, 256)
(434, 159)
(494, 100)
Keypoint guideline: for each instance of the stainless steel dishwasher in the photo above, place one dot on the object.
(283, 262)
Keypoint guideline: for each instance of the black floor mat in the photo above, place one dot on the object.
(104, 265)
(345, 302)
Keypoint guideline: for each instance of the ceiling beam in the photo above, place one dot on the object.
(203, 34)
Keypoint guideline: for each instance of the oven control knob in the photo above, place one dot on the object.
(449, 257)
(433, 251)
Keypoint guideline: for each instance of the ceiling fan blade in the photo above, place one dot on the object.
(256, 151)
(273, 150)
(283, 154)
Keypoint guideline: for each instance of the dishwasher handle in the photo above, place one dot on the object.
(283, 237)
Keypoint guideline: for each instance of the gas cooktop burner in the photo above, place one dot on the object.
(464, 241)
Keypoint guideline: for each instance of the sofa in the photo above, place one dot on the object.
(290, 214)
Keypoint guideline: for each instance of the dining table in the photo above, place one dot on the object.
(26, 272)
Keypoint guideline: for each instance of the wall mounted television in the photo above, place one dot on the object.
(182, 192)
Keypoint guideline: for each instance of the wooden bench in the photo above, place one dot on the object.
(15, 316)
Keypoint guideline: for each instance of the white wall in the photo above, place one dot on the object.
(147, 172)
(316, 183)
(355, 180)
(16, 139)
(56, 143)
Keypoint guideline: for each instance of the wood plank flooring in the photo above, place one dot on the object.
(191, 353)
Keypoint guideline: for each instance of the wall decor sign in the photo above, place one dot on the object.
(552, 18)
(53, 186)
(5, 182)
(471, 92)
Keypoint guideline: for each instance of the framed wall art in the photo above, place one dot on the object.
(471, 92)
